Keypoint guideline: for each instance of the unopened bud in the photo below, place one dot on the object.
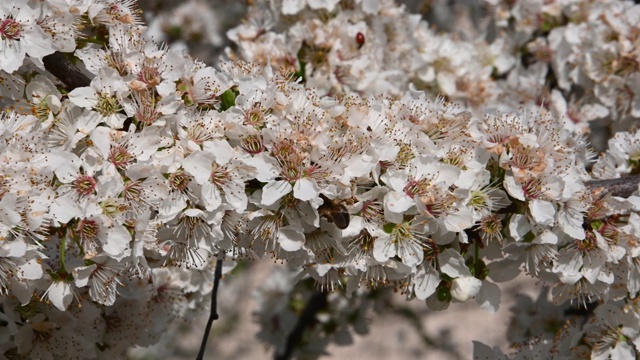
(465, 288)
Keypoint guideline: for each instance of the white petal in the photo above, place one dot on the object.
(519, 227)
(60, 295)
(452, 264)
(38, 43)
(397, 202)
(100, 138)
(634, 201)
(594, 111)
(445, 174)
(446, 82)
(513, 188)
(84, 97)
(31, 270)
(15, 248)
(568, 265)
(306, 189)
(66, 165)
(118, 239)
(290, 239)
(63, 210)
(548, 237)
(265, 165)
(11, 56)
(82, 274)
(426, 282)
(273, 191)
(411, 253)
(459, 220)
(172, 205)
(383, 249)
(543, 212)
(211, 196)
(221, 150)
(621, 351)
(396, 180)
(571, 224)
(198, 165)
(8, 216)
(236, 196)
(489, 297)
(633, 281)
(358, 166)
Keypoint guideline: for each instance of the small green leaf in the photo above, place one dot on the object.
(228, 99)
(388, 228)
(443, 293)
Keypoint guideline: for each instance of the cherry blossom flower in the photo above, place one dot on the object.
(103, 97)
(21, 35)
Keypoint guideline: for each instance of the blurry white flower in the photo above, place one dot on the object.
(612, 333)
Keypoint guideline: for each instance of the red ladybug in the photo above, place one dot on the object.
(360, 39)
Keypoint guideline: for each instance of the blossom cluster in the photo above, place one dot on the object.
(576, 58)
(591, 48)
(117, 195)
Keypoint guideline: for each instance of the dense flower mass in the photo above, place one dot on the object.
(322, 147)
(577, 58)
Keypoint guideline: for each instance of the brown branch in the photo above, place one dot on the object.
(62, 68)
(213, 311)
(307, 319)
(621, 187)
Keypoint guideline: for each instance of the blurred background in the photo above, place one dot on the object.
(398, 329)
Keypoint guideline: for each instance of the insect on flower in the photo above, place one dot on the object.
(334, 212)
(360, 40)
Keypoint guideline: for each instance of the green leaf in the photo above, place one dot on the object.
(228, 99)
(388, 228)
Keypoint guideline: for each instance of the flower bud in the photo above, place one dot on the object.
(464, 288)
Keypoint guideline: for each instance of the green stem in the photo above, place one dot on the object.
(63, 246)
(95, 40)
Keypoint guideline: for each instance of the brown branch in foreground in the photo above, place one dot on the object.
(317, 302)
(62, 68)
(621, 187)
(213, 311)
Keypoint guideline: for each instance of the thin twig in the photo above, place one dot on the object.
(621, 187)
(317, 302)
(442, 342)
(63, 69)
(213, 312)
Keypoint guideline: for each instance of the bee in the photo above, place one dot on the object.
(334, 212)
